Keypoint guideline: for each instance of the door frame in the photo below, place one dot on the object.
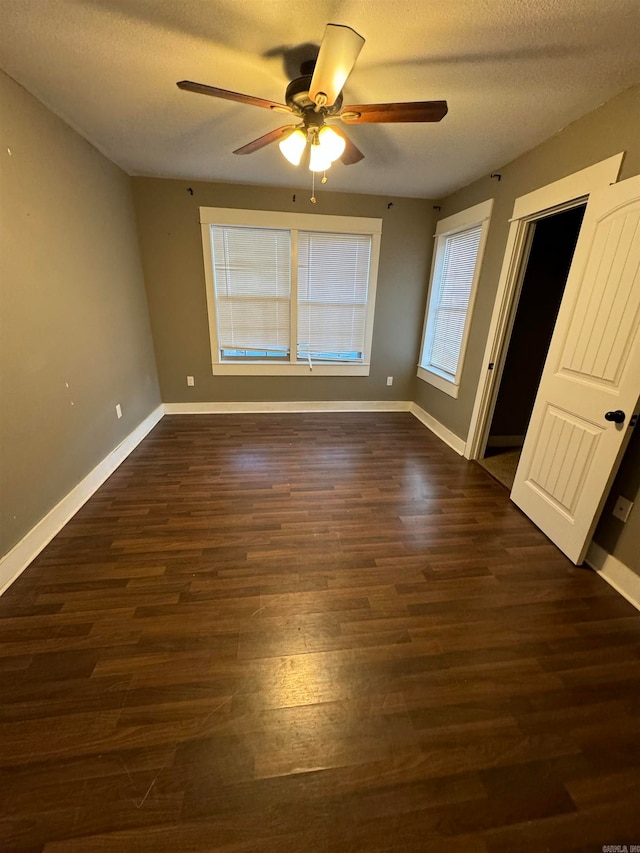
(560, 195)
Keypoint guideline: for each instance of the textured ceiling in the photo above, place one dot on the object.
(513, 73)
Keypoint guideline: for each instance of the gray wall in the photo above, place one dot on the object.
(612, 128)
(623, 540)
(74, 328)
(171, 247)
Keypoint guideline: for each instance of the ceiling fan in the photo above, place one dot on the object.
(315, 98)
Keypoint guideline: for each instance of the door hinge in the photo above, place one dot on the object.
(491, 365)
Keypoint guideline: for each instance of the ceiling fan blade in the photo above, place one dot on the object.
(267, 139)
(201, 89)
(351, 154)
(386, 113)
(337, 56)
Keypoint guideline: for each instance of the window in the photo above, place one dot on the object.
(290, 293)
(457, 259)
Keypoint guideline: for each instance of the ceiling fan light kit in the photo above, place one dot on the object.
(316, 96)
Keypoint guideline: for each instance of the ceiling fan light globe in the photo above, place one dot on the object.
(331, 144)
(292, 146)
(318, 160)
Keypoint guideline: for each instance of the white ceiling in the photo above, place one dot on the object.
(513, 73)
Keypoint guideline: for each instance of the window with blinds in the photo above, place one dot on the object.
(450, 300)
(252, 281)
(254, 288)
(289, 293)
(458, 255)
(333, 281)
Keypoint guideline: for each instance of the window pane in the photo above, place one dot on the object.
(333, 279)
(253, 354)
(450, 300)
(252, 279)
(447, 338)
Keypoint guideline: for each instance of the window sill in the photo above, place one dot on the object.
(438, 381)
(259, 368)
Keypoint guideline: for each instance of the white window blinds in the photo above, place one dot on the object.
(333, 280)
(254, 287)
(252, 280)
(450, 300)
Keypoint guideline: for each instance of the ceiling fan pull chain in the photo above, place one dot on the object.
(313, 198)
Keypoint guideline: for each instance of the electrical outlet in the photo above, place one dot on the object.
(622, 508)
(191, 381)
(389, 380)
(118, 410)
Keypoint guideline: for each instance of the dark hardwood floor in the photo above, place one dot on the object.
(309, 633)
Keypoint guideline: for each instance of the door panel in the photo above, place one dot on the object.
(606, 318)
(565, 451)
(571, 451)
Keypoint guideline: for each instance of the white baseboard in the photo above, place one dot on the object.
(454, 441)
(21, 555)
(293, 406)
(623, 579)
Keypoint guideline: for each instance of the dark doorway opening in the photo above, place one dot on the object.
(550, 256)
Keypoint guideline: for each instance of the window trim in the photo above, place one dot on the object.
(478, 215)
(293, 222)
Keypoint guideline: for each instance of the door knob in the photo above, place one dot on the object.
(617, 417)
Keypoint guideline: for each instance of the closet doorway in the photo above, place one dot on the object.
(552, 244)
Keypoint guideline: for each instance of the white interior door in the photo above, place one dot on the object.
(571, 450)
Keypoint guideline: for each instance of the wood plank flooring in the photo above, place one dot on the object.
(313, 632)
